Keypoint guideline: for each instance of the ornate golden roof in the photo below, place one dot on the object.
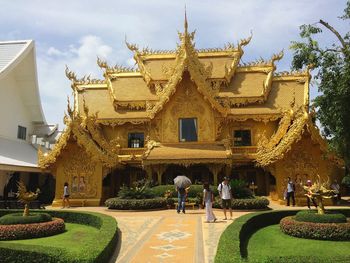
(290, 131)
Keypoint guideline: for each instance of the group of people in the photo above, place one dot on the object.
(225, 193)
(290, 192)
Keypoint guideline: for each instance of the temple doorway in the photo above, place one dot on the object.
(198, 173)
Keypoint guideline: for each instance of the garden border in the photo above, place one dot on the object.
(234, 240)
(107, 226)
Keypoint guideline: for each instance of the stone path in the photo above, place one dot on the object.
(165, 236)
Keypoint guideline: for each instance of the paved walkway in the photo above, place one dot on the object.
(165, 236)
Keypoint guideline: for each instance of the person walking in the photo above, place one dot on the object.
(225, 193)
(65, 196)
(290, 191)
(208, 199)
(181, 195)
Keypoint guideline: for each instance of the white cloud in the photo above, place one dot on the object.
(76, 32)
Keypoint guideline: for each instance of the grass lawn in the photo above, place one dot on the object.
(271, 241)
(76, 238)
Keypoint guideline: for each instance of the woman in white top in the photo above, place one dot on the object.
(65, 196)
(208, 198)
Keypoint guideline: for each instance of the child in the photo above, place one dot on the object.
(208, 198)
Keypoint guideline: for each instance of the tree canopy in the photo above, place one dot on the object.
(332, 75)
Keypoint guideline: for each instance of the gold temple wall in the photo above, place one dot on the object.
(83, 175)
(187, 102)
(304, 162)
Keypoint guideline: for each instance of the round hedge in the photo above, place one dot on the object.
(136, 204)
(314, 217)
(18, 218)
(321, 231)
(33, 230)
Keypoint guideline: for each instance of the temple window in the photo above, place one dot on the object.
(242, 138)
(22, 132)
(136, 140)
(188, 130)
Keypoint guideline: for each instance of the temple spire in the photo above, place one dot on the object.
(186, 24)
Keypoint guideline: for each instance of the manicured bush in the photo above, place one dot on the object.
(245, 204)
(136, 204)
(140, 190)
(18, 218)
(195, 189)
(98, 250)
(33, 230)
(239, 189)
(314, 217)
(322, 231)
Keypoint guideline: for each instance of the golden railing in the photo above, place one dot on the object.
(132, 151)
(244, 150)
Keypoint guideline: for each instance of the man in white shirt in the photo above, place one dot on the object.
(225, 193)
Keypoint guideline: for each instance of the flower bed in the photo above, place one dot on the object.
(136, 204)
(322, 231)
(34, 230)
(97, 248)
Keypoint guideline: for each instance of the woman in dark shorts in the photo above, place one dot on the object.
(65, 196)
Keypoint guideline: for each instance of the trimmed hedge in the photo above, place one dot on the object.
(33, 230)
(245, 204)
(195, 189)
(98, 250)
(321, 231)
(313, 217)
(135, 204)
(233, 242)
(18, 218)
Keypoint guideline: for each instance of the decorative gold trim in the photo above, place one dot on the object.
(118, 122)
(187, 58)
(256, 117)
(266, 156)
(49, 158)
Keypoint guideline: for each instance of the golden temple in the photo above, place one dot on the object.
(198, 112)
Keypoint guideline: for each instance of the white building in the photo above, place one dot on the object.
(22, 122)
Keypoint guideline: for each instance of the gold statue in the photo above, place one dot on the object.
(318, 191)
(26, 197)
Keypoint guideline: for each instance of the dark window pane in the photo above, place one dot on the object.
(242, 138)
(135, 140)
(188, 130)
(22, 132)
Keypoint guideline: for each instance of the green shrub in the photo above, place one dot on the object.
(312, 216)
(195, 189)
(245, 204)
(136, 204)
(97, 251)
(240, 190)
(32, 230)
(322, 231)
(18, 218)
(140, 190)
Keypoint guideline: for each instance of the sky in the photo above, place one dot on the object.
(75, 32)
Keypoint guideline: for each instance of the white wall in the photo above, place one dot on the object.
(12, 110)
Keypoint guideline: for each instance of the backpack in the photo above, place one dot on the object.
(182, 191)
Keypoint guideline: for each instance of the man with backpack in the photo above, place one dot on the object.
(225, 193)
(181, 195)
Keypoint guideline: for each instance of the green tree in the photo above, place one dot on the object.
(332, 75)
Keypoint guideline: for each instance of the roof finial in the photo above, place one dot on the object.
(186, 24)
